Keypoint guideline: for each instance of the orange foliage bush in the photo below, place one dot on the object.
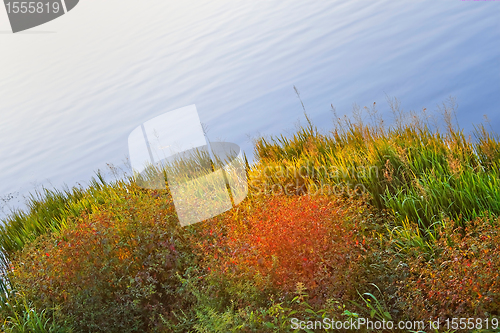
(318, 241)
(117, 270)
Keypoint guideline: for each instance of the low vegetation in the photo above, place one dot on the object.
(394, 223)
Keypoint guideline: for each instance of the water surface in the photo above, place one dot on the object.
(73, 89)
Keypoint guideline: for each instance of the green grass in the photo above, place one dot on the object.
(420, 173)
(50, 210)
(20, 316)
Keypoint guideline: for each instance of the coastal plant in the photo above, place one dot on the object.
(51, 210)
(19, 315)
(320, 242)
(113, 270)
(401, 220)
(461, 280)
(418, 171)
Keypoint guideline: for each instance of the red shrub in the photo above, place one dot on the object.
(313, 240)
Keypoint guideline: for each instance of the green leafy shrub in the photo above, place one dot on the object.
(461, 279)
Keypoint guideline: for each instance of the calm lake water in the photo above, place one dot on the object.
(73, 89)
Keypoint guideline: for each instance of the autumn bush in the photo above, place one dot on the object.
(410, 215)
(277, 242)
(460, 278)
(112, 271)
(132, 268)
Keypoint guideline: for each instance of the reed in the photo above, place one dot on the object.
(419, 172)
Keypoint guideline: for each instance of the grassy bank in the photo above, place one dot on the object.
(394, 223)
